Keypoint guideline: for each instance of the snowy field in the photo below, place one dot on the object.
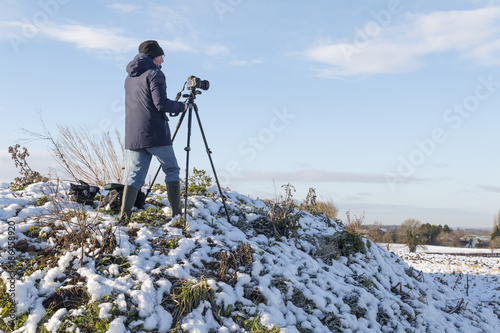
(441, 259)
(476, 277)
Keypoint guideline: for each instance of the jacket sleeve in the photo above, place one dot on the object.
(158, 87)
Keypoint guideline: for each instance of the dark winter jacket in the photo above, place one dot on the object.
(147, 105)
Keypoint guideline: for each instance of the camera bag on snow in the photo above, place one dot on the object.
(83, 193)
(113, 200)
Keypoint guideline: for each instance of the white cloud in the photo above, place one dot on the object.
(90, 38)
(490, 188)
(217, 50)
(402, 47)
(312, 175)
(124, 8)
(246, 62)
(103, 40)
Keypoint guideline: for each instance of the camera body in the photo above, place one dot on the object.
(193, 82)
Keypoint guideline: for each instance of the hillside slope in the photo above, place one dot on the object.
(293, 272)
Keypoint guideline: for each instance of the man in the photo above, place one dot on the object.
(147, 133)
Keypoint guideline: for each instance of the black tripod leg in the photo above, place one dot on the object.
(187, 149)
(178, 126)
(209, 153)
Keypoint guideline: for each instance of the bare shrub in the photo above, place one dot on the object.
(328, 208)
(87, 155)
(355, 223)
(229, 263)
(310, 203)
(283, 218)
(496, 227)
(28, 176)
(376, 233)
(495, 243)
(73, 227)
(410, 234)
(93, 158)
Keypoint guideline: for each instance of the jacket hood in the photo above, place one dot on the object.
(141, 63)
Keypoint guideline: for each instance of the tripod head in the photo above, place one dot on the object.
(192, 95)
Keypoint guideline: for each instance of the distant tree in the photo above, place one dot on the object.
(495, 243)
(376, 234)
(444, 238)
(457, 235)
(496, 226)
(389, 237)
(431, 232)
(411, 235)
(447, 229)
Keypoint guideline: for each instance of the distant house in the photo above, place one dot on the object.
(471, 241)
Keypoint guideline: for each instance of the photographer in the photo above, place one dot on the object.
(147, 132)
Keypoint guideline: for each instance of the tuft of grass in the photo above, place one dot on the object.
(42, 201)
(187, 296)
(107, 260)
(88, 321)
(199, 183)
(149, 216)
(282, 216)
(349, 243)
(352, 301)
(182, 224)
(9, 322)
(253, 325)
(164, 244)
(343, 243)
(301, 301)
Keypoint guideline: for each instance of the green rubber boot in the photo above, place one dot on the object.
(174, 197)
(128, 200)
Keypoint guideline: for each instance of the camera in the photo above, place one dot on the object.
(193, 82)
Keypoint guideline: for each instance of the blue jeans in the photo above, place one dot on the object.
(140, 160)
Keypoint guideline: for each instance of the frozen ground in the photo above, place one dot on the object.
(476, 277)
(315, 277)
(440, 259)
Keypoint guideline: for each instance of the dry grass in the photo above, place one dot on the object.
(187, 296)
(94, 156)
(74, 227)
(355, 223)
(328, 208)
(28, 176)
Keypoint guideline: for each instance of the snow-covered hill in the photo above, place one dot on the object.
(294, 272)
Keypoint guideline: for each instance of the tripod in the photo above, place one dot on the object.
(192, 106)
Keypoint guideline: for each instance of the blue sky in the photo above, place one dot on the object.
(388, 108)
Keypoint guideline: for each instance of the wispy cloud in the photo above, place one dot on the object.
(124, 8)
(402, 47)
(490, 188)
(217, 50)
(102, 40)
(312, 175)
(109, 40)
(246, 62)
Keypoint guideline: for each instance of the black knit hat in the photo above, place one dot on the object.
(151, 48)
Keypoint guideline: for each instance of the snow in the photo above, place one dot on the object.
(55, 322)
(286, 285)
